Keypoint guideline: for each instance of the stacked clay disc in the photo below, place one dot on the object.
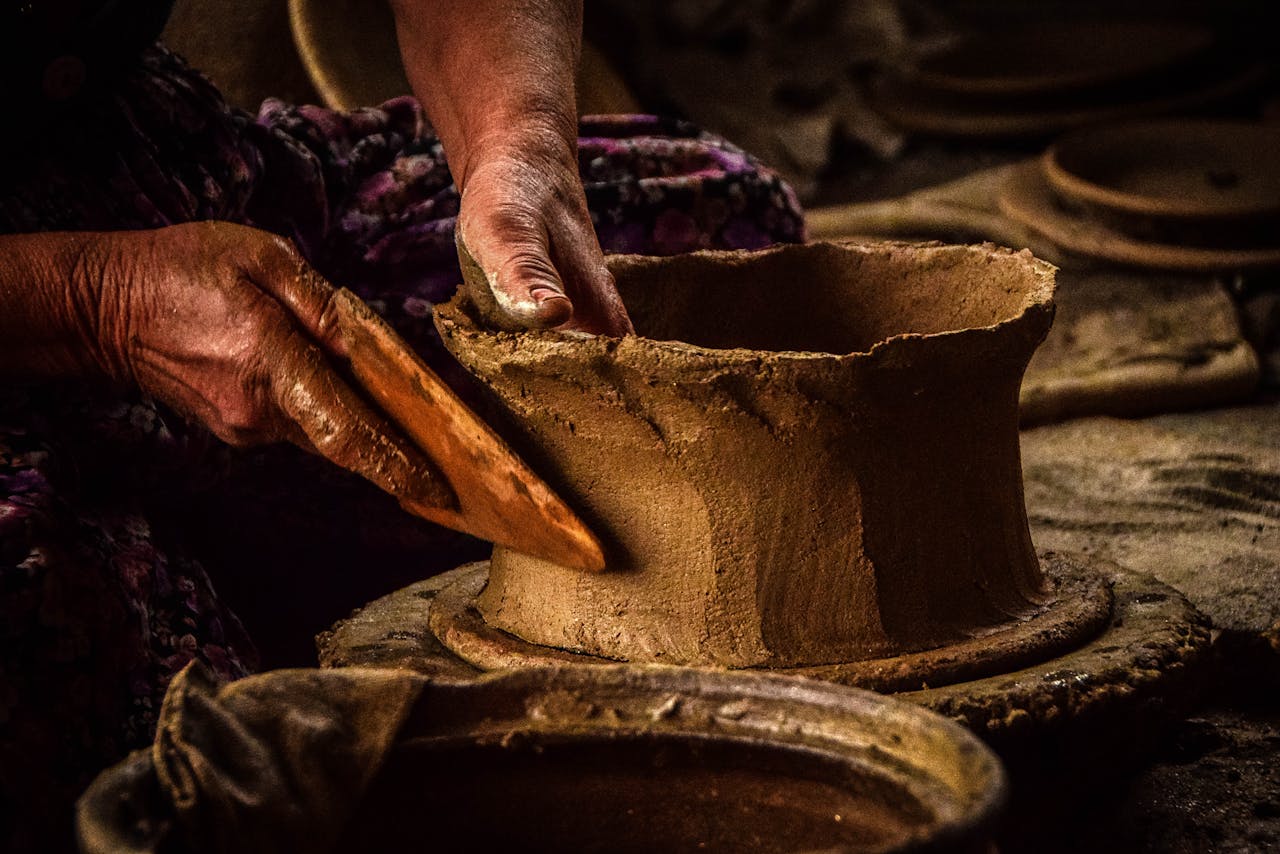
(1031, 81)
(1175, 194)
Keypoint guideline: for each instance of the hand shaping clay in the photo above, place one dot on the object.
(808, 455)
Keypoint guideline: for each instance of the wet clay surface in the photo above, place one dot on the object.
(848, 488)
(628, 796)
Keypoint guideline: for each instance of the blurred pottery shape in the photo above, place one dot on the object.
(349, 50)
(1194, 182)
(1028, 198)
(1050, 58)
(1033, 81)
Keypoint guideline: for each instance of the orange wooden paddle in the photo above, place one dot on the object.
(499, 498)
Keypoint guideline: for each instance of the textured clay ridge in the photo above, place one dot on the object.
(808, 455)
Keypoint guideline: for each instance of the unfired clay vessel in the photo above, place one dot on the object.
(808, 455)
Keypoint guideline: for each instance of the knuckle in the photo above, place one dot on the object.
(512, 221)
(260, 324)
(327, 323)
(528, 263)
(271, 249)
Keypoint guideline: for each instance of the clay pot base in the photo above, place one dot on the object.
(1081, 607)
(1144, 644)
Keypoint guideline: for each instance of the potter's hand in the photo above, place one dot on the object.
(525, 228)
(497, 79)
(230, 326)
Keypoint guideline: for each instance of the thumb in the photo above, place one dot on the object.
(508, 274)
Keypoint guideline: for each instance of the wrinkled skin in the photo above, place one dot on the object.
(225, 324)
(229, 326)
(497, 79)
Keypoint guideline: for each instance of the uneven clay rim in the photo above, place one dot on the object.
(1081, 607)
(555, 345)
(945, 767)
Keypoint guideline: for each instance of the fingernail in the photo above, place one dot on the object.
(553, 307)
(541, 295)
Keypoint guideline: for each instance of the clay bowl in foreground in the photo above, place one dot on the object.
(632, 759)
(1182, 180)
(808, 455)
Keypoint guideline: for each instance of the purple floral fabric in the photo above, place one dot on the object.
(102, 601)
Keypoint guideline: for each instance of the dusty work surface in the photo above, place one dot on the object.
(1193, 499)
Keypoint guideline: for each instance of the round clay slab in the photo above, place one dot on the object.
(1028, 199)
(1172, 168)
(1081, 606)
(1064, 55)
(927, 112)
(1141, 656)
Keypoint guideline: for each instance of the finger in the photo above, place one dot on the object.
(337, 424)
(597, 307)
(283, 273)
(507, 269)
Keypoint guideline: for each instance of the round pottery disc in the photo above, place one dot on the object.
(1151, 636)
(1064, 55)
(1028, 199)
(927, 112)
(1081, 606)
(1178, 169)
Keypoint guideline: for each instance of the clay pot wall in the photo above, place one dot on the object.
(809, 454)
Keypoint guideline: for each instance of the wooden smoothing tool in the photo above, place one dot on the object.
(498, 497)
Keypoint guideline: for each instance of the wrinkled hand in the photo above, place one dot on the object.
(525, 226)
(230, 326)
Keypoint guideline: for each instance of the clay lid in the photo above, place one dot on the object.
(1053, 57)
(1028, 199)
(1176, 168)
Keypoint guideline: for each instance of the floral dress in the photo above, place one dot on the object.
(112, 508)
